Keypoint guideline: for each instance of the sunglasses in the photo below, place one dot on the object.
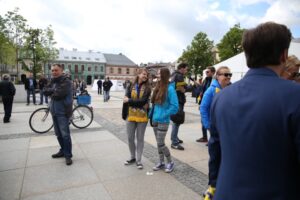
(294, 74)
(227, 75)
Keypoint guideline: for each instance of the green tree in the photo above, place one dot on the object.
(231, 43)
(198, 55)
(16, 29)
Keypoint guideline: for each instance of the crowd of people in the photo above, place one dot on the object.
(253, 124)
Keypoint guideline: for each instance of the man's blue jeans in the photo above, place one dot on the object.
(106, 95)
(30, 91)
(42, 97)
(174, 134)
(62, 132)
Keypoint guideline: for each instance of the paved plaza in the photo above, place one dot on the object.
(27, 171)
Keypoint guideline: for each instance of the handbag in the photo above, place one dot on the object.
(179, 117)
(150, 115)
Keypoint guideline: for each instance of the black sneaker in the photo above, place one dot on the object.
(129, 162)
(69, 161)
(178, 147)
(180, 141)
(58, 155)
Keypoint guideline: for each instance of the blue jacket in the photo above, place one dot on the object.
(206, 102)
(255, 138)
(163, 111)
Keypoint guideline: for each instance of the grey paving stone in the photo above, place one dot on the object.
(88, 192)
(13, 159)
(58, 176)
(157, 186)
(14, 144)
(103, 148)
(112, 167)
(10, 184)
(93, 136)
(40, 156)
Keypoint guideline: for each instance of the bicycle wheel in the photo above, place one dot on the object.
(82, 116)
(40, 120)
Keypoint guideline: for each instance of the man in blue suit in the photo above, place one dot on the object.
(255, 125)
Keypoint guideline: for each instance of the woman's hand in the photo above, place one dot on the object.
(125, 100)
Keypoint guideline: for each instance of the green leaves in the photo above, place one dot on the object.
(198, 55)
(230, 44)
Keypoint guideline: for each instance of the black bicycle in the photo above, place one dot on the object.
(40, 120)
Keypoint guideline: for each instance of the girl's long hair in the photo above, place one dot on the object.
(146, 83)
(161, 89)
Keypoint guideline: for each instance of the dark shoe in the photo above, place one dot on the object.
(6, 121)
(69, 161)
(40, 104)
(58, 155)
(27, 104)
(202, 140)
(180, 141)
(129, 162)
(178, 147)
(139, 165)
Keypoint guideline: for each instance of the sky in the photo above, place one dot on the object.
(148, 30)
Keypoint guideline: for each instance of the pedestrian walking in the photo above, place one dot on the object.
(107, 84)
(180, 86)
(7, 92)
(30, 86)
(137, 96)
(254, 146)
(99, 83)
(60, 92)
(42, 83)
(164, 104)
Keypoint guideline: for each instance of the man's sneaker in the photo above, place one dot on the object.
(180, 141)
(178, 147)
(58, 155)
(159, 166)
(69, 161)
(202, 140)
(129, 162)
(169, 167)
(139, 165)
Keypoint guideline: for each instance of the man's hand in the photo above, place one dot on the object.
(125, 100)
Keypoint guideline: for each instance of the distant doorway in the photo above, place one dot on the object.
(89, 79)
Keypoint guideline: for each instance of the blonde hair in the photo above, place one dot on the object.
(221, 68)
(292, 61)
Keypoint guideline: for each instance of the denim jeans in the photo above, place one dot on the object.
(30, 91)
(62, 132)
(106, 95)
(174, 134)
(42, 97)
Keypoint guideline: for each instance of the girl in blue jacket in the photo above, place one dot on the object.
(165, 103)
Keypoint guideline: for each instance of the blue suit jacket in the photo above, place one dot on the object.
(255, 125)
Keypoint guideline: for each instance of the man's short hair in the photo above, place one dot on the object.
(182, 65)
(58, 65)
(212, 69)
(264, 44)
(5, 77)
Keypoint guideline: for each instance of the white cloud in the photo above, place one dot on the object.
(144, 30)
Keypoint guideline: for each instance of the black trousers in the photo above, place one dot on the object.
(99, 90)
(7, 103)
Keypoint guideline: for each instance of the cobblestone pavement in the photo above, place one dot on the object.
(186, 174)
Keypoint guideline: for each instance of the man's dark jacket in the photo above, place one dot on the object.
(27, 84)
(60, 91)
(7, 89)
(107, 85)
(255, 138)
(178, 78)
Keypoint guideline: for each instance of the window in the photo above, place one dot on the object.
(111, 70)
(89, 69)
(87, 58)
(79, 58)
(119, 70)
(96, 68)
(63, 66)
(66, 57)
(69, 67)
(101, 68)
(76, 69)
(74, 58)
(49, 66)
(97, 59)
(82, 68)
(127, 70)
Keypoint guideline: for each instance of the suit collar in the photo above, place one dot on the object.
(263, 71)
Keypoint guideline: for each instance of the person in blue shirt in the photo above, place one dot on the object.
(165, 103)
(255, 124)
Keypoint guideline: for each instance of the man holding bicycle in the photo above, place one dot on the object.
(60, 91)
